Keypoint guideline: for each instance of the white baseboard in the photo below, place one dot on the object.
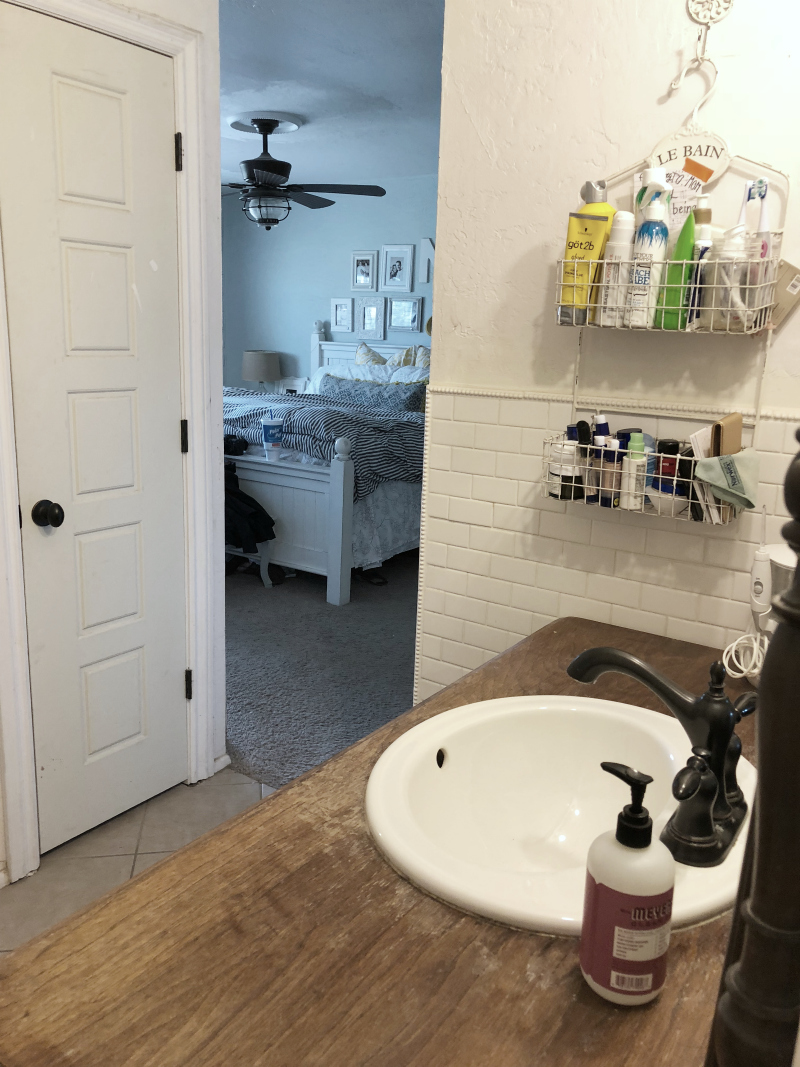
(221, 762)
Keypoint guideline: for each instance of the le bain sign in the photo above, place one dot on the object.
(701, 154)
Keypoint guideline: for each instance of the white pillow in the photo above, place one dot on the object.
(315, 379)
(367, 355)
(411, 374)
(415, 356)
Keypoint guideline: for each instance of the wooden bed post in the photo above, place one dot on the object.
(317, 338)
(263, 566)
(340, 519)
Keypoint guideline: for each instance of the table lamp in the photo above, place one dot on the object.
(259, 366)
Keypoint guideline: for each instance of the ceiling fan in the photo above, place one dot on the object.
(265, 195)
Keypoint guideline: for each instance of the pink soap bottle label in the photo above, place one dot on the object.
(624, 939)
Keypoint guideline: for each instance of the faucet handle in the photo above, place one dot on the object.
(746, 704)
(717, 675)
(691, 834)
(689, 779)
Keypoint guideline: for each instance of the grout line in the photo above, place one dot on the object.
(139, 838)
(101, 856)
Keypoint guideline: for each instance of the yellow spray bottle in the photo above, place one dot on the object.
(587, 234)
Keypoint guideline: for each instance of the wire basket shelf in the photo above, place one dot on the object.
(727, 295)
(660, 484)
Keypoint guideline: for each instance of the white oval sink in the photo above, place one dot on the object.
(503, 826)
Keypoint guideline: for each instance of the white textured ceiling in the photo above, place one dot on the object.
(364, 74)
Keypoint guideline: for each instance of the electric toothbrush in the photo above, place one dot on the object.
(744, 657)
(761, 583)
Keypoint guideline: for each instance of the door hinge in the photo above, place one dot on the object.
(188, 684)
(178, 151)
(184, 435)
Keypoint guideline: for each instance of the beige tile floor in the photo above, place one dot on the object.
(80, 871)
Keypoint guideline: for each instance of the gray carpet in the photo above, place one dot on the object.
(306, 679)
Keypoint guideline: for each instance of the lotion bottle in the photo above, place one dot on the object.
(673, 300)
(634, 473)
(615, 271)
(627, 911)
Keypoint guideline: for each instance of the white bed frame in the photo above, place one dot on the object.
(312, 506)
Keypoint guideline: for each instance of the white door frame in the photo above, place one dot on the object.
(198, 373)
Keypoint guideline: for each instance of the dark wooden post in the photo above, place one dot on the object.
(758, 1010)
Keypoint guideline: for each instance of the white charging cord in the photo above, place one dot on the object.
(744, 657)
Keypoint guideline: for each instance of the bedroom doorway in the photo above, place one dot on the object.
(94, 346)
(330, 298)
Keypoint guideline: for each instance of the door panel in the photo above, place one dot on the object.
(89, 227)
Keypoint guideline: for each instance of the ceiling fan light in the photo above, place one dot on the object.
(267, 211)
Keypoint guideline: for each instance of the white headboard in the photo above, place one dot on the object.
(333, 353)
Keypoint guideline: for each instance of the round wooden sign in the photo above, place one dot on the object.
(698, 153)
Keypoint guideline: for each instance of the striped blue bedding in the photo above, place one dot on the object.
(387, 446)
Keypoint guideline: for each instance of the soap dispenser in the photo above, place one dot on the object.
(627, 910)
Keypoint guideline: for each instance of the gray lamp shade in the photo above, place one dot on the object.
(258, 366)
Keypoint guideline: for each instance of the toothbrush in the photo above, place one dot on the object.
(748, 196)
(764, 237)
(764, 246)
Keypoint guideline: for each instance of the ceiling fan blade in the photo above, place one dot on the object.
(355, 190)
(300, 196)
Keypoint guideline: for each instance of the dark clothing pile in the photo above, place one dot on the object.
(246, 522)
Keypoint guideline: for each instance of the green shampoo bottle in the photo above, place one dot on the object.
(672, 311)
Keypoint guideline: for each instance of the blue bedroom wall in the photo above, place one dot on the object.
(276, 284)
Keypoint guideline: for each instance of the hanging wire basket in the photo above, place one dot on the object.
(728, 294)
(664, 484)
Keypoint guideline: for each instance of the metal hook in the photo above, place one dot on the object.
(700, 47)
(696, 64)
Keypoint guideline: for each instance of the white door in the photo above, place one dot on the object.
(89, 239)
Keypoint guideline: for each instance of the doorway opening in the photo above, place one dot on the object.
(327, 293)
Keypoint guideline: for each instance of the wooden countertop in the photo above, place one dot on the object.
(283, 939)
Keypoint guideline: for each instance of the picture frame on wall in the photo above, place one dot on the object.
(364, 271)
(405, 314)
(397, 267)
(370, 317)
(342, 315)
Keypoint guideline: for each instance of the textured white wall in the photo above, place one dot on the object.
(537, 98)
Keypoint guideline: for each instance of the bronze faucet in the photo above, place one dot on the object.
(709, 721)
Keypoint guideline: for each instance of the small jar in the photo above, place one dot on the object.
(668, 465)
(565, 478)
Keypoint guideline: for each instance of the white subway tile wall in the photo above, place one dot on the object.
(501, 560)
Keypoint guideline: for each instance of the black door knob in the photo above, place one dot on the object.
(46, 513)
